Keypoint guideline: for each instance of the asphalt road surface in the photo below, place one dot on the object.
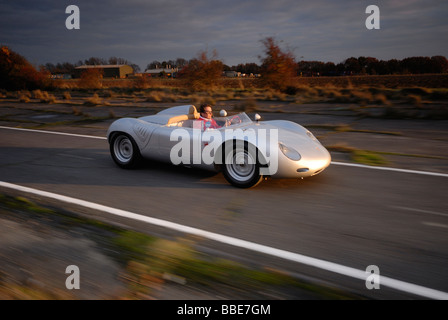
(351, 216)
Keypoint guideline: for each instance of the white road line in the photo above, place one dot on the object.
(445, 175)
(434, 224)
(421, 211)
(54, 132)
(321, 264)
(75, 156)
(437, 174)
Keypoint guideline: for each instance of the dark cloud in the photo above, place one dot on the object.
(142, 31)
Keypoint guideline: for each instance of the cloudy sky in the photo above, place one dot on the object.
(142, 31)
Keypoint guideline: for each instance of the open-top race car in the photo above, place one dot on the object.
(244, 150)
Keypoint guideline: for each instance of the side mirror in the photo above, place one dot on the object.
(257, 117)
(223, 113)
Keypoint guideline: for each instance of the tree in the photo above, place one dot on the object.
(180, 62)
(61, 68)
(136, 67)
(278, 68)
(247, 68)
(202, 72)
(16, 73)
(93, 61)
(351, 66)
(153, 65)
(439, 64)
(116, 61)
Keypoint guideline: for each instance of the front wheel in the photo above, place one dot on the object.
(125, 151)
(240, 167)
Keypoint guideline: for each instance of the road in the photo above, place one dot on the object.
(350, 216)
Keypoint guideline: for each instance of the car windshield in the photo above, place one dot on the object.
(232, 120)
(221, 122)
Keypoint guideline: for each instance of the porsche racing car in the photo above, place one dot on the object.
(244, 150)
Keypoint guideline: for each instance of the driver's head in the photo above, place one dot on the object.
(206, 111)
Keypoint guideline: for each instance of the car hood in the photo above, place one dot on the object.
(290, 134)
(294, 136)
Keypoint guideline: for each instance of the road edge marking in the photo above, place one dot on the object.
(428, 173)
(291, 256)
(55, 132)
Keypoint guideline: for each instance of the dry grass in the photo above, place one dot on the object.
(66, 96)
(433, 81)
(44, 96)
(24, 96)
(384, 81)
(160, 96)
(368, 96)
(248, 105)
(94, 100)
(415, 99)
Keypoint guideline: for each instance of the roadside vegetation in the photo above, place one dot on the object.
(375, 102)
(147, 264)
(420, 96)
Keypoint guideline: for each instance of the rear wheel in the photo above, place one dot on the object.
(125, 151)
(241, 167)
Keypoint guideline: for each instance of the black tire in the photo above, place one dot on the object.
(241, 167)
(125, 151)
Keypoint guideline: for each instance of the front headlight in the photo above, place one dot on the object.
(309, 134)
(290, 152)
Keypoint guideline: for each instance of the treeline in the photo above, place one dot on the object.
(360, 66)
(373, 66)
(279, 68)
(350, 66)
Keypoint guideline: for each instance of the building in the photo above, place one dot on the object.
(232, 74)
(161, 72)
(64, 76)
(118, 71)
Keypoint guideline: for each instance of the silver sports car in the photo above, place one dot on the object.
(244, 150)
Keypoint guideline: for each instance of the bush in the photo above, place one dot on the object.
(94, 100)
(44, 96)
(91, 79)
(141, 83)
(67, 96)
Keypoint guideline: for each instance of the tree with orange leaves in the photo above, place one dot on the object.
(16, 73)
(202, 72)
(278, 68)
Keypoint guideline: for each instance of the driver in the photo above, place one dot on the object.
(206, 115)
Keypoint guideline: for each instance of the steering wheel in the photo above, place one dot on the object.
(235, 120)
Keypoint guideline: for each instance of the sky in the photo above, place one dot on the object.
(142, 31)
